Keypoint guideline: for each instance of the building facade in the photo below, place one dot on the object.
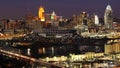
(108, 17)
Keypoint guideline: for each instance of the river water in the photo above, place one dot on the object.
(42, 51)
(49, 50)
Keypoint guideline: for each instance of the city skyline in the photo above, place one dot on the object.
(18, 9)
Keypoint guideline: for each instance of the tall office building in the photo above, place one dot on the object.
(96, 18)
(41, 14)
(54, 21)
(53, 16)
(84, 18)
(108, 18)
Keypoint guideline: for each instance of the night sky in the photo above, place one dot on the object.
(66, 8)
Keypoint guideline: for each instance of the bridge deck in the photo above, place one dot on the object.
(26, 58)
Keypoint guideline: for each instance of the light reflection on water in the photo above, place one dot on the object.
(65, 50)
(59, 50)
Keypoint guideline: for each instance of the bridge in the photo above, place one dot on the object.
(34, 61)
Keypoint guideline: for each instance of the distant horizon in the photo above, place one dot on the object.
(18, 9)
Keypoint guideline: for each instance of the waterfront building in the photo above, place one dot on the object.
(86, 56)
(108, 49)
(61, 58)
(108, 17)
(113, 48)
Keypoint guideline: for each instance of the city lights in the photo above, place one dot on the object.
(41, 14)
(72, 34)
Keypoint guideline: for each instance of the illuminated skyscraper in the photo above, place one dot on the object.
(84, 18)
(41, 14)
(54, 21)
(96, 20)
(108, 19)
(53, 16)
